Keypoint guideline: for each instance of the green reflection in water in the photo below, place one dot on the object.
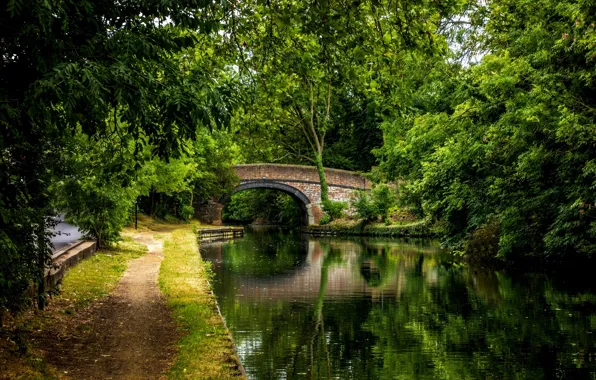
(300, 307)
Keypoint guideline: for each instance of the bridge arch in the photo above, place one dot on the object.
(301, 199)
(301, 182)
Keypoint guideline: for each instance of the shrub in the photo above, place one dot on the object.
(383, 199)
(100, 210)
(364, 206)
(187, 212)
(334, 209)
(399, 214)
(325, 219)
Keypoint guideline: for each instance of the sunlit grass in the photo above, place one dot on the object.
(205, 350)
(96, 277)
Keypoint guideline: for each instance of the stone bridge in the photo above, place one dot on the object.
(301, 182)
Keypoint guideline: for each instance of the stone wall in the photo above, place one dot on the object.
(210, 213)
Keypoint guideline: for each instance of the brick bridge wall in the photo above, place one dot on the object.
(302, 182)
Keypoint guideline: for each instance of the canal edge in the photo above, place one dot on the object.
(201, 241)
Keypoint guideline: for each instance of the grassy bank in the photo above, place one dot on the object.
(359, 228)
(206, 350)
(97, 276)
(89, 281)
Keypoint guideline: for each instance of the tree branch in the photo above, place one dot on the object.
(304, 126)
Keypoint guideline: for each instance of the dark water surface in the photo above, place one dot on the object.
(317, 308)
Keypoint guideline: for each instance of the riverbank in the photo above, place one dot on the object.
(125, 312)
(360, 228)
(206, 350)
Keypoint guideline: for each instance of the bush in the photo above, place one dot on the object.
(399, 214)
(334, 209)
(364, 206)
(370, 206)
(325, 219)
(187, 212)
(100, 210)
(383, 199)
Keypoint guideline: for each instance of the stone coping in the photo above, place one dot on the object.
(292, 166)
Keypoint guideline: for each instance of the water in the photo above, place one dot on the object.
(317, 308)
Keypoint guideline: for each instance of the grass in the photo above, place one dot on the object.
(206, 350)
(96, 277)
(89, 281)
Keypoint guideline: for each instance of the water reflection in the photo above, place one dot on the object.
(300, 307)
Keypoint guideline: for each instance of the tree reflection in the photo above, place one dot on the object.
(331, 308)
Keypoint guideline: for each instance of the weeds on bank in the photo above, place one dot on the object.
(205, 350)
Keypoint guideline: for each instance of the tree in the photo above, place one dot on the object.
(299, 57)
(508, 145)
(86, 63)
(98, 189)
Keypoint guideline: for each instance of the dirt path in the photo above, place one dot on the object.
(131, 334)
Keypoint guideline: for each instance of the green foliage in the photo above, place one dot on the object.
(264, 206)
(203, 172)
(377, 203)
(364, 206)
(383, 199)
(322, 74)
(187, 212)
(334, 209)
(69, 64)
(510, 141)
(97, 194)
(325, 219)
(350, 145)
(362, 228)
(214, 154)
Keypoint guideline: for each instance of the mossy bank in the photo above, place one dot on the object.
(359, 228)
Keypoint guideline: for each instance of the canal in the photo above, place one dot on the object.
(355, 308)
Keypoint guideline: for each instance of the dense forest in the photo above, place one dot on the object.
(477, 117)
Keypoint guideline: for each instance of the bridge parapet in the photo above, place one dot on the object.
(301, 173)
(301, 182)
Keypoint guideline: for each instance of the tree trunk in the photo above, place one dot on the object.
(152, 203)
(322, 178)
(41, 285)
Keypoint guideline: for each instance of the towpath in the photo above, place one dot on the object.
(130, 335)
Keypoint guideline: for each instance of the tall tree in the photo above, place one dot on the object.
(85, 63)
(504, 151)
(300, 56)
